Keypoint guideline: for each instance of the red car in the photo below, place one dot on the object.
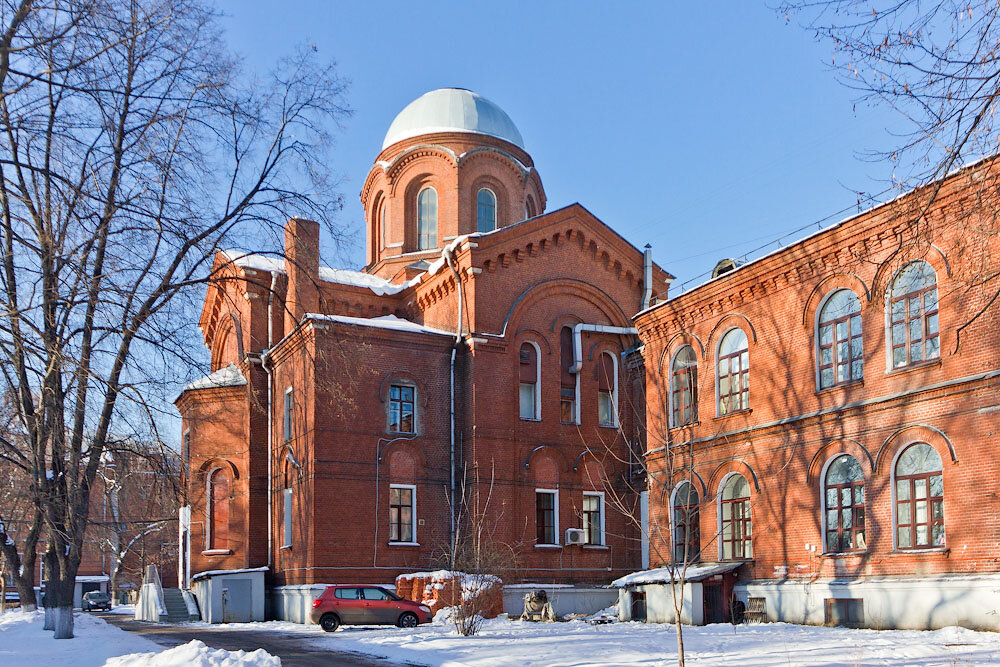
(366, 605)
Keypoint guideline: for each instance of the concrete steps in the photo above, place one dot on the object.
(177, 609)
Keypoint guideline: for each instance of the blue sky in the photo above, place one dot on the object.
(706, 132)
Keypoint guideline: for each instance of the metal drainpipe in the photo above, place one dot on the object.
(578, 349)
(449, 255)
(270, 416)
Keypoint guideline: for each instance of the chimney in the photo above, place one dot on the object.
(302, 268)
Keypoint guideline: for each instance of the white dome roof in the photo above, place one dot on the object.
(452, 110)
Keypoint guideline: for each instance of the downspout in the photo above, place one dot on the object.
(578, 349)
(647, 277)
(448, 254)
(264, 358)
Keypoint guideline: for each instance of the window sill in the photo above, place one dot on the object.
(404, 544)
(285, 547)
(400, 433)
(217, 552)
(615, 426)
(902, 370)
(929, 551)
(844, 554)
(569, 423)
(841, 385)
(748, 411)
(530, 419)
(596, 547)
(688, 425)
(548, 546)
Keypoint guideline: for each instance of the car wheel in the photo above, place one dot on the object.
(408, 620)
(329, 622)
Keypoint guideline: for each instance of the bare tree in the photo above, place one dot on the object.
(20, 515)
(133, 147)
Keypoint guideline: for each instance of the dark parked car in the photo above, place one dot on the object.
(96, 600)
(366, 605)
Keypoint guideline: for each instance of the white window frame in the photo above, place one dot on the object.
(538, 382)
(287, 518)
(289, 407)
(614, 396)
(555, 512)
(413, 514)
(600, 496)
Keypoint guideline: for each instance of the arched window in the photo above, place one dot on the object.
(529, 208)
(844, 487)
(684, 387)
(734, 373)
(383, 221)
(528, 395)
(607, 390)
(427, 219)
(286, 497)
(913, 315)
(687, 531)
(567, 379)
(839, 337)
(735, 512)
(217, 510)
(919, 488)
(486, 211)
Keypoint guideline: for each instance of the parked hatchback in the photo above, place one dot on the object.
(366, 605)
(95, 600)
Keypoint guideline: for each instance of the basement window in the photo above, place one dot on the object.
(846, 612)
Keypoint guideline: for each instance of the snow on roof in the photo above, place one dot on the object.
(259, 262)
(227, 376)
(92, 579)
(663, 575)
(216, 573)
(384, 322)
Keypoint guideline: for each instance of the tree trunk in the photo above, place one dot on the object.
(49, 599)
(680, 641)
(64, 611)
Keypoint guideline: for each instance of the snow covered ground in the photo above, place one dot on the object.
(23, 643)
(504, 642)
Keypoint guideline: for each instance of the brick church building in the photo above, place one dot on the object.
(478, 370)
(815, 430)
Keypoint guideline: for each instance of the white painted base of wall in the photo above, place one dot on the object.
(660, 603)
(565, 600)
(293, 603)
(924, 603)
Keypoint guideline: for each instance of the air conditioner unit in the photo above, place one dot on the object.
(574, 536)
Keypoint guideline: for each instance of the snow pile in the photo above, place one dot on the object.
(24, 642)
(196, 654)
(607, 615)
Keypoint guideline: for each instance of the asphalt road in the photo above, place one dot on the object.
(294, 650)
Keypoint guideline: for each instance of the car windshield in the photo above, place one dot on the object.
(96, 596)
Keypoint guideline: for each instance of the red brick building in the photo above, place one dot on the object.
(480, 355)
(826, 417)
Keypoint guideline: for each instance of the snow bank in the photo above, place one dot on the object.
(196, 654)
(24, 642)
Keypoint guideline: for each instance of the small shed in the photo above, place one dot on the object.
(707, 592)
(230, 596)
(87, 583)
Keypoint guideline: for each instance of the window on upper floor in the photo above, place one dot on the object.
(734, 373)
(486, 210)
(427, 216)
(567, 379)
(684, 387)
(383, 221)
(217, 519)
(528, 371)
(919, 492)
(913, 315)
(687, 524)
(288, 410)
(529, 208)
(839, 339)
(607, 390)
(844, 504)
(402, 402)
(737, 530)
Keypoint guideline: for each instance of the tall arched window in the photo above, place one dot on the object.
(734, 372)
(839, 337)
(919, 488)
(735, 513)
(528, 388)
(607, 390)
(567, 380)
(845, 506)
(687, 531)
(383, 221)
(486, 211)
(913, 315)
(427, 219)
(286, 498)
(529, 208)
(684, 387)
(218, 510)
